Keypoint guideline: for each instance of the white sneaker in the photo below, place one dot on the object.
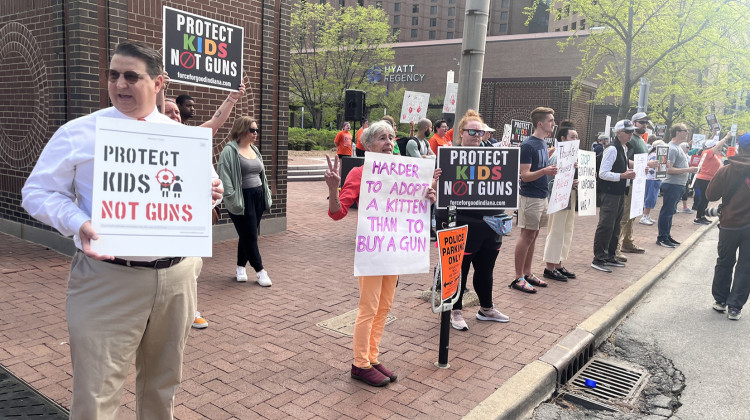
(457, 320)
(263, 278)
(645, 220)
(241, 274)
(491, 314)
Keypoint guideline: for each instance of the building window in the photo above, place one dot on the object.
(414, 33)
(503, 28)
(396, 31)
(397, 19)
(565, 28)
(557, 29)
(361, 3)
(451, 11)
(379, 4)
(396, 7)
(449, 35)
(342, 3)
(432, 34)
(415, 8)
(583, 24)
(414, 21)
(433, 10)
(572, 26)
(451, 23)
(503, 16)
(451, 1)
(505, 4)
(433, 1)
(433, 22)
(558, 15)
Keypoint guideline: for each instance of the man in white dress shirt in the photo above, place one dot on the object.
(116, 308)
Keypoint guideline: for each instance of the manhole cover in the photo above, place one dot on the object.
(344, 323)
(18, 400)
(612, 384)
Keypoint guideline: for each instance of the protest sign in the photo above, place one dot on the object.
(700, 165)
(662, 154)
(698, 141)
(639, 184)
(586, 183)
(713, 123)
(731, 151)
(451, 243)
(567, 156)
(552, 139)
(152, 189)
(608, 127)
(201, 51)
(505, 142)
(478, 177)
(733, 130)
(451, 95)
(414, 107)
(519, 131)
(393, 223)
(660, 130)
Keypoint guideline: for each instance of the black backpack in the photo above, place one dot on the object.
(402, 142)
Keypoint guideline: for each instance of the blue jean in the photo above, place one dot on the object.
(671, 195)
(652, 193)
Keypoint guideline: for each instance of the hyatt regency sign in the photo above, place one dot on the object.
(395, 73)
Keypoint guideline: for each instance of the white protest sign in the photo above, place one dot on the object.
(505, 142)
(393, 221)
(607, 125)
(639, 184)
(152, 189)
(586, 183)
(698, 140)
(451, 96)
(733, 129)
(414, 107)
(567, 156)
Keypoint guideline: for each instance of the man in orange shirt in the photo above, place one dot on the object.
(439, 138)
(360, 150)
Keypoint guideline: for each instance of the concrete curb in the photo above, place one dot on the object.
(536, 382)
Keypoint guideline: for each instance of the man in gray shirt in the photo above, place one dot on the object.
(674, 185)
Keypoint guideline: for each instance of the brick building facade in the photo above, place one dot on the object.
(53, 54)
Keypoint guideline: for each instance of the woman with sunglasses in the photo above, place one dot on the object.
(246, 194)
(482, 243)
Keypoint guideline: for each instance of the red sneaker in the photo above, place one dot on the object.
(369, 376)
(392, 376)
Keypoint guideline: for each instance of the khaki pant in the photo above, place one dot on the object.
(626, 224)
(560, 233)
(116, 313)
(375, 299)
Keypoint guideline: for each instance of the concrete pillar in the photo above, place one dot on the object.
(472, 58)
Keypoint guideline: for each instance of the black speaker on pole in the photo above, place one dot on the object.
(354, 105)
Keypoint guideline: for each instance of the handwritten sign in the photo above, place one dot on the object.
(201, 51)
(567, 156)
(713, 123)
(451, 243)
(478, 177)
(393, 222)
(152, 189)
(586, 183)
(698, 141)
(505, 142)
(451, 96)
(639, 184)
(519, 131)
(662, 154)
(414, 107)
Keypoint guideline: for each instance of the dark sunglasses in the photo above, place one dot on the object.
(475, 132)
(130, 76)
(254, 130)
(642, 122)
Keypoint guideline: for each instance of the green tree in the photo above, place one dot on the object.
(333, 50)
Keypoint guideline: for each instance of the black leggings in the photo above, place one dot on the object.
(484, 264)
(248, 225)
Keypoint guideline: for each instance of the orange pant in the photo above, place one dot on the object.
(375, 299)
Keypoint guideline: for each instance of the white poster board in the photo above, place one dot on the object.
(639, 184)
(152, 189)
(451, 97)
(567, 156)
(698, 141)
(414, 107)
(505, 142)
(393, 221)
(586, 183)
(607, 127)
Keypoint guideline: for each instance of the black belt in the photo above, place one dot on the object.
(157, 264)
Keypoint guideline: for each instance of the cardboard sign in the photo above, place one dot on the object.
(414, 107)
(393, 222)
(638, 184)
(519, 131)
(478, 177)
(662, 155)
(451, 243)
(451, 96)
(152, 189)
(586, 183)
(201, 51)
(567, 156)
(713, 123)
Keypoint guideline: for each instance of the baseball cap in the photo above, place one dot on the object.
(744, 141)
(709, 144)
(639, 116)
(625, 125)
(603, 137)
(488, 128)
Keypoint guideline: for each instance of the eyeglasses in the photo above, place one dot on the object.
(642, 122)
(475, 132)
(680, 130)
(130, 76)
(254, 130)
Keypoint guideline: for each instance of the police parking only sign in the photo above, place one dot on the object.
(202, 51)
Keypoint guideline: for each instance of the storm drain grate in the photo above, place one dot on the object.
(617, 383)
(19, 400)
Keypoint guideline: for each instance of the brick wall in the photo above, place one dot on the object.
(53, 54)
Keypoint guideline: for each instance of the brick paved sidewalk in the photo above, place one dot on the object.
(262, 355)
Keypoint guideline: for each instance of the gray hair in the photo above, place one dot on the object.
(374, 130)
